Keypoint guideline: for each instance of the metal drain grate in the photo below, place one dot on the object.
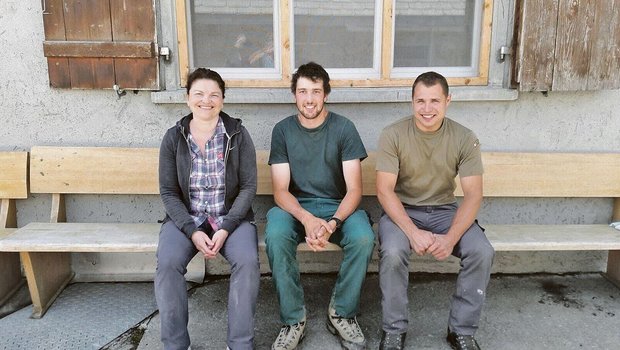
(85, 316)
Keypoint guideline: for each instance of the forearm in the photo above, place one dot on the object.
(287, 202)
(349, 204)
(239, 209)
(247, 174)
(170, 193)
(464, 218)
(396, 211)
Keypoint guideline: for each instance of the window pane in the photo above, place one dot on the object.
(434, 33)
(232, 33)
(335, 34)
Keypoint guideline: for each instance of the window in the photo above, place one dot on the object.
(364, 43)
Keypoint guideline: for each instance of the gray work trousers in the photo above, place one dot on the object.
(474, 250)
(174, 252)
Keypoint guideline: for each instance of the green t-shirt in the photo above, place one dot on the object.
(315, 156)
(427, 163)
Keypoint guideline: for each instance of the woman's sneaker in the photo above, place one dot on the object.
(290, 336)
(349, 331)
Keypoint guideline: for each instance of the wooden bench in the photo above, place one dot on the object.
(533, 175)
(13, 185)
(45, 247)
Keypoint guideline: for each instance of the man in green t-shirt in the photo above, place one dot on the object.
(316, 173)
(417, 162)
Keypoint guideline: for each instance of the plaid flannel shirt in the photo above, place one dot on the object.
(208, 180)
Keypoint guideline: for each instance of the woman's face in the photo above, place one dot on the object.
(205, 99)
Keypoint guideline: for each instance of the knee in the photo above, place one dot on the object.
(365, 242)
(481, 255)
(171, 263)
(280, 228)
(358, 231)
(393, 257)
(246, 262)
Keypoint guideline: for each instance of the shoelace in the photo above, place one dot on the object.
(284, 337)
(351, 327)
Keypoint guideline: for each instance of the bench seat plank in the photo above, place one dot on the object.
(4, 232)
(83, 237)
(535, 238)
(553, 237)
(119, 237)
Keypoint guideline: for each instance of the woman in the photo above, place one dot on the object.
(207, 182)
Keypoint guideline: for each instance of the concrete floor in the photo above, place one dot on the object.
(522, 312)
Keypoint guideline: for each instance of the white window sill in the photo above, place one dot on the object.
(343, 95)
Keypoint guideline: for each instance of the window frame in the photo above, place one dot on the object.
(385, 77)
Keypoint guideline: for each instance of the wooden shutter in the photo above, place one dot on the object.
(567, 45)
(95, 44)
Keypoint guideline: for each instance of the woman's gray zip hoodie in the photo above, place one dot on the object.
(175, 165)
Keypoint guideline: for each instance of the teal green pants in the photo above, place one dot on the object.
(284, 233)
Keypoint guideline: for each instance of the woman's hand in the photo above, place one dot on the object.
(204, 244)
(219, 237)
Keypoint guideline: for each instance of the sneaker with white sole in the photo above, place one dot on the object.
(347, 329)
(290, 336)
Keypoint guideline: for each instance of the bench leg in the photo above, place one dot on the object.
(613, 267)
(47, 275)
(10, 274)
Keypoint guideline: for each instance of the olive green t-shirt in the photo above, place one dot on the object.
(427, 163)
(315, 156)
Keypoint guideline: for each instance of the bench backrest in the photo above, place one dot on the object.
(509, 174)
(94, 170)
(517, 174)
(110, 170)
(13, 184)
(13, 171)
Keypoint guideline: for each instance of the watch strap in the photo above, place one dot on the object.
(338, 221)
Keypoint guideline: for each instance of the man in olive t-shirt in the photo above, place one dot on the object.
(316, 173)
(417, 162)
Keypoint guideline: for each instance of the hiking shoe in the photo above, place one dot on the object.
(290, 336)
(392, 341)
(462, 342)
(349, 331)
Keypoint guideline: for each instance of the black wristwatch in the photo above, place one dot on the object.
(338, 221)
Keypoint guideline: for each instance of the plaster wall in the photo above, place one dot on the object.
(32, 113)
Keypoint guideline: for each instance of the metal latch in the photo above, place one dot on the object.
(503, 52)
(165, 52)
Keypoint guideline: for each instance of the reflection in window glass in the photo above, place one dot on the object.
(434, 33)
(232, 33)
(335, 34)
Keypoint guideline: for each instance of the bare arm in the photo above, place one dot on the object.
(280, 178)
(352, 170)
(419, 240)
(464, 217)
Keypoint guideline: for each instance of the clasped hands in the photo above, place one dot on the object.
(209, 247)
(425, 242)
(318, 232)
